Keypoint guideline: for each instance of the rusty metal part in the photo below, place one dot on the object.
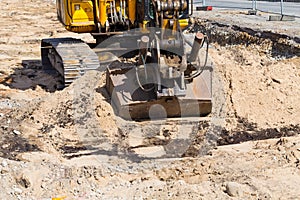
(131, 102)
(198, 43)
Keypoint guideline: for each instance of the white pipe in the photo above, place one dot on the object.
(111, 14)
(115, 12)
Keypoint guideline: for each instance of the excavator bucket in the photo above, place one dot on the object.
(131, 102)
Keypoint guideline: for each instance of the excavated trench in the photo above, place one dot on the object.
(276, 45)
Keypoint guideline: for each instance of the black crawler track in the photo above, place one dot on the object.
(70, 57)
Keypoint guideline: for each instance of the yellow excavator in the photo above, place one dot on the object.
(153, 66)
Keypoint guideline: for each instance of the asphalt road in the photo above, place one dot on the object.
(289, 8)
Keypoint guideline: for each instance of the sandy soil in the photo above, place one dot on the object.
(45, 152)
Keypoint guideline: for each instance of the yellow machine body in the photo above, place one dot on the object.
(76, 15)
(88, 16)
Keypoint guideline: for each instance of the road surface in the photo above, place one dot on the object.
(289, 8)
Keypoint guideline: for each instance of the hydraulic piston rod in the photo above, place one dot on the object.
(198, 43)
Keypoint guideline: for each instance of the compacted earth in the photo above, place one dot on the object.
(69, 144)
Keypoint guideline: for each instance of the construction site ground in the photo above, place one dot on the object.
(252, 141)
